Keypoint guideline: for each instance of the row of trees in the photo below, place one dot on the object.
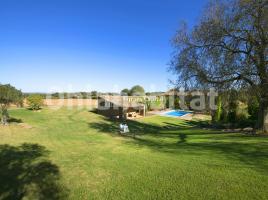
(227, 49)
(66, 95)
(136, 90)
(8, 95)
(235, 107)
(79, 95)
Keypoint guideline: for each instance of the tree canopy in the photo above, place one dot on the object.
(8, 95)
(137, 90)
(228, 48)
(125, 92)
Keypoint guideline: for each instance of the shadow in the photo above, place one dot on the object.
(182, 138)
(189, 124)
(94, 110)
(26, 173)
(190, 138)
(35, 110)
(14, 120)
(137, 128)
(111, 127)
(251, 155)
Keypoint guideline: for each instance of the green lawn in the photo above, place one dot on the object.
(76, 154)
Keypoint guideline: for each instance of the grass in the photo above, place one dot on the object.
(76, 154)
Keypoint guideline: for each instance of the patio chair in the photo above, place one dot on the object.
(123, 128)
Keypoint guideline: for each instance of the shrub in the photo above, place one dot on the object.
(167, 102)
(154, 104)
(241, 112)
(177, 102)
(35, 101)
(253, 108)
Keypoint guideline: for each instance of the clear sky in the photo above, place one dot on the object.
(84, 45)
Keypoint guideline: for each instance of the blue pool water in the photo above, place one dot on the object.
(176, 113)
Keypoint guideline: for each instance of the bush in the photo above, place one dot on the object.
(155, 105)
(253, 108)
(241, 112)
(167, 102)
(177, 102)
(35, 101)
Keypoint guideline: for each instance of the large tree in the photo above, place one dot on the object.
(137, 90)
(8, 95)
(228, 48)
(125, 92)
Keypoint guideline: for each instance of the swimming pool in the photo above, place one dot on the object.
(176, 113)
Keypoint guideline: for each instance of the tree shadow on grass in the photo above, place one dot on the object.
(14, 120)
(176, 139)
(26, 173)
(138, 128)
(252, 155)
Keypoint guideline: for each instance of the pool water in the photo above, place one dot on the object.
(176, 113)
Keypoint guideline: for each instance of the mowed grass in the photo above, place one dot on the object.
(77, 154)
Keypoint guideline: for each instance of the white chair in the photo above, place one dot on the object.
(123, 128)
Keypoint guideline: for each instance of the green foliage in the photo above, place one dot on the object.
(66, 95)
(25, 95)
(177, 102)
(148, 105)
(241, 112)
(125, 92)
(253, 108)
(232, 106)
(156, 104)
(167, 103)
(224, 50)
(94, 94)
(76, 95)
(8, 95)
(224, 115)
(137, 90)
(219, 110)
(84, 95)
(55, 95)
(231, 116)
(35, 101)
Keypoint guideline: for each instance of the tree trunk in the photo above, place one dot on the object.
(4, 117)
(213, 116)
(265, 124)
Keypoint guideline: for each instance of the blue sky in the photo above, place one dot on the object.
(83, 45)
